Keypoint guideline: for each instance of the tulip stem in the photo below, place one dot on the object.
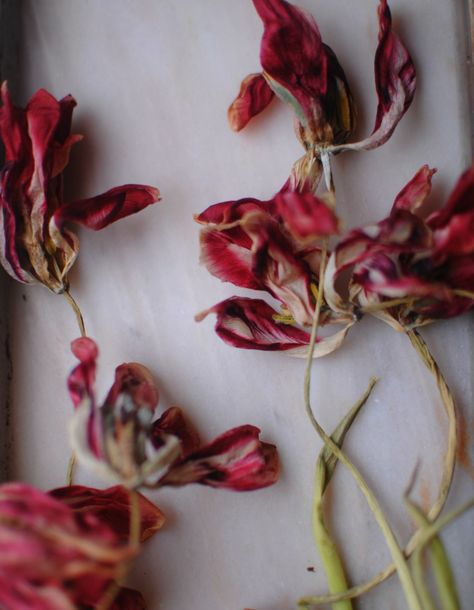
(80, 320)
(399, 560)
(82, 328)
(448, 470)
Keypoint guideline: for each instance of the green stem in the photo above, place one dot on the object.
(405, 577)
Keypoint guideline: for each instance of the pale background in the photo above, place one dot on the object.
(153, 79)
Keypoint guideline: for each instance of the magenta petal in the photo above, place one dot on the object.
(254, 96)
(236, 460)
(100, 211)
(81, 380)
(249, 324)
(306, 216)
(413, 195)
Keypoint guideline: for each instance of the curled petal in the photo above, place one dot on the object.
(413, 195)
(250, 324)
(81, 380)
(306, 216)
(174, 422)
(395, 82)
(235, 460)
(254, 96)
(136, 382)
(100, 211)
(112, 507)
(229, 212)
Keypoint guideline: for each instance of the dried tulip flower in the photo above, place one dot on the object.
(121, 440)
(59, 557)
(409, 269)
(36, 243)
(305, 73)
(272, 246)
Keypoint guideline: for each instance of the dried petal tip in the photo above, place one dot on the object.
(254, 96)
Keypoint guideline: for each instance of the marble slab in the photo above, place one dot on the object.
(153, 79)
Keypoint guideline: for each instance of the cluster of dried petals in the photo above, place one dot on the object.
(304, 72)
(35, 243)
(123, 442)
(272, 246)
(57, 553)
(426, 263)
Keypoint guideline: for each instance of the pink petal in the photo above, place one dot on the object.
(81, 380)
(100, 211)
(395, 82)
(413, 195)
(228, 212)
(249, 324)
(306, 216)
(112, 507)
(174, 422)
(254, 96)
(136, 381)
(235, 460)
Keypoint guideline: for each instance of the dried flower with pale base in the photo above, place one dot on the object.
(120, 441)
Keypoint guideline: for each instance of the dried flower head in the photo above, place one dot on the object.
(36, 244)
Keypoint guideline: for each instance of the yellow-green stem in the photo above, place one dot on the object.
(82, 328)
(398, 557)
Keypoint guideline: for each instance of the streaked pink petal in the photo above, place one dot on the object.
(100, 211)
(254, 96)
(236, 460)
(112, 507)
(228, 212)
(413, 195)
(306, 216)
(249, 324)
(395, 82)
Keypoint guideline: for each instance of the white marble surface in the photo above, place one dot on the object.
(153, 79)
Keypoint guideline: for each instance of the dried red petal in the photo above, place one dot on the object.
(306, 216)
(81, 380)
(249, 324)
(236, 460)
(174, 422)
(112, 507)
(254, 96)
(100, 211)
(134, 380)
(413, 195)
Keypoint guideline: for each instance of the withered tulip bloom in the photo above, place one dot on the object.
(270, 246)
(36, 244)
(426, 263)
(304, 72)
(53, 557)
(121, 441)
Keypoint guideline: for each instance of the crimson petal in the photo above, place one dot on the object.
(100, 211)
(174, 422)
(249, 324)
(413, 195)
(254, 96)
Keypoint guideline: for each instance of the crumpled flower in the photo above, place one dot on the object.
(271, 246)
(426, 263)
(121, 441)
(304, 72)
(58, 557)
(36, 244)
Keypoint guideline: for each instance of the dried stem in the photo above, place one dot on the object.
(397, 554)
(82, 328)
(448, 470)
(134, 542)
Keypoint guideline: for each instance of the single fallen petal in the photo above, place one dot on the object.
(413, 195)
(254, 96)
(112, 507)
